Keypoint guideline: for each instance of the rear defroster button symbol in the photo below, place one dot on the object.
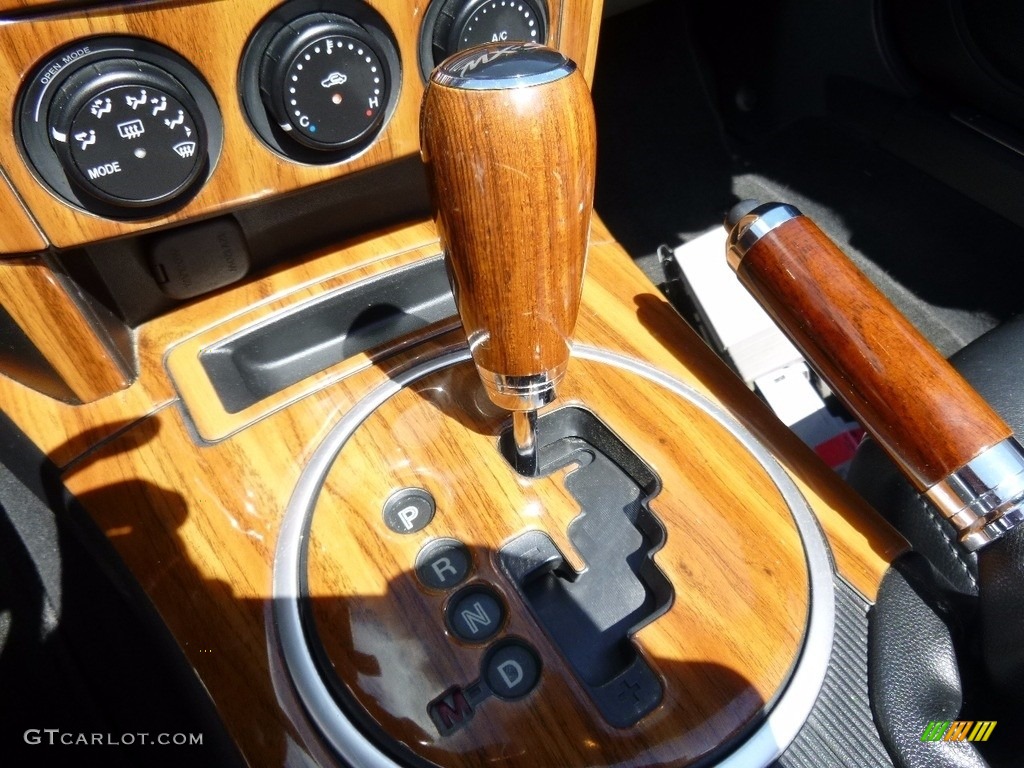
(132, 129)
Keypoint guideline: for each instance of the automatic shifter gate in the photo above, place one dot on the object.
(591, 615)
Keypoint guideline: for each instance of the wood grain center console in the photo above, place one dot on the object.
(204, 524)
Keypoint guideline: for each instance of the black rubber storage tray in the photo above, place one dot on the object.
(260, 361)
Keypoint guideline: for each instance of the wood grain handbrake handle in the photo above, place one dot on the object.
(947, 440)
(508, 139)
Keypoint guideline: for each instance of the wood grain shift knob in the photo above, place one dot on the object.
(508, 138)
(946, 439)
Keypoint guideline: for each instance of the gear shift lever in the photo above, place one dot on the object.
(508, 138)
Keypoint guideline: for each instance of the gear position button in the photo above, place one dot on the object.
(409, 510)
(511, 670)
(443, 564)
(476, 615)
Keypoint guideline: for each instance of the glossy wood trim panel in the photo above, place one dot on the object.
(621, 311)
(61, 330)
(617, 298)
(212, 35)
(19, 234)
(578, 37)
(919, 408)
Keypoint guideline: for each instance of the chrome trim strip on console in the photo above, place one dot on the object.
(764, 744)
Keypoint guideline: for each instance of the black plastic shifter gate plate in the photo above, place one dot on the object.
(590, 615)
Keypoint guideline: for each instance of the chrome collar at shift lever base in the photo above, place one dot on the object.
(984, 499)
(522, 393)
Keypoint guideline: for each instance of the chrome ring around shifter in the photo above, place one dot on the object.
(780, 725)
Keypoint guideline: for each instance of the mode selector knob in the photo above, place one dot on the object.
(128, 133)
(324, 82)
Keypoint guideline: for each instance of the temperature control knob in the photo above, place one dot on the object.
(127, 133)
(324, 82)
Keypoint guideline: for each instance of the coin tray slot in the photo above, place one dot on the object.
(289, 347)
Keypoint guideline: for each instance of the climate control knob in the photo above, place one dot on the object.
(324, 82)
(454, 25)
(128, 133)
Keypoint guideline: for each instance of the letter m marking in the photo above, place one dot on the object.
(450, 711)
(935, 730)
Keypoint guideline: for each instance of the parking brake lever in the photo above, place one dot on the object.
(943, 436)
(508, 138)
